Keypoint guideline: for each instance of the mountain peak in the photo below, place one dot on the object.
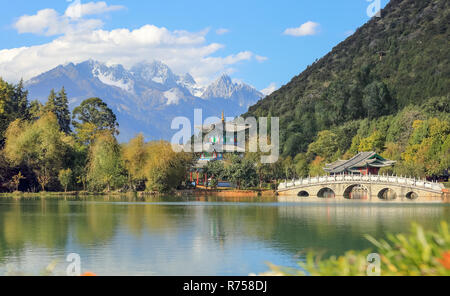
(188, 79)
(155, 71)
(224, 87)
(225, 79)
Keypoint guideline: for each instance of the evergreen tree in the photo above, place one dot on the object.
(50, 105)
(13, 105)
(21, 101)
(62, 111)
(58, 104)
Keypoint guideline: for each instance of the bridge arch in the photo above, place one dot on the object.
(387, 194)
(356, 191)
(303, 193)
(412, 195)
(326, 193)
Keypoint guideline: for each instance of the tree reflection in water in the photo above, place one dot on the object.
(206, 236)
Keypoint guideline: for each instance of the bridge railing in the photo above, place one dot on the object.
(382, 179)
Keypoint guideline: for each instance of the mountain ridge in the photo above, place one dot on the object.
(397, 60)
(145, 97)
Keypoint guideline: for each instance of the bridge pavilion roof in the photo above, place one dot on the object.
(361, 160)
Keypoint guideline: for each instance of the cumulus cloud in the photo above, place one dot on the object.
(78, 10)
(270, 89)
(307, 29)
(49, 22)
(84, 39)
(222, 31)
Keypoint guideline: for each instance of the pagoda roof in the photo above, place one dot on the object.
(362, 159)
(227, 127)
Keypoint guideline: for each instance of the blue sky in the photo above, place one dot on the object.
(251, 46)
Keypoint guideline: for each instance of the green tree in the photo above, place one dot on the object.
(50, 105)
(15, 181)
(39, 146)
(36, 110)
(97, 115)
(58, 104)
(332, 108)
(241, 172)
(13, 105)
(165, 169)
(429, 147)
(65, 177)
(105, 168)
(215, 169)
(316, 167)
(354, 108)
(375, 142)
(301, 165)
(289, 168)
(326, 146)
(62, 111)
(377, 100)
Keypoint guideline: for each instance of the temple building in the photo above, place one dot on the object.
(363, 163)
(218, 138)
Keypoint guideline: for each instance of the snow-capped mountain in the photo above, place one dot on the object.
(225, 88)
(146, 97)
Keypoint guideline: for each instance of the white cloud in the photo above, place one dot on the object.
(49, 22)
(78, 10)
(83, 39)
(261, 58)
(222, 31)
(270, 89)
(307, 29)
(45, 22)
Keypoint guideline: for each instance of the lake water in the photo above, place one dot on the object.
(191, 236)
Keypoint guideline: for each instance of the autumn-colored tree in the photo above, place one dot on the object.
(39, 145)
(428, 152)
(135, 156)
(165, 169)
(375, 142)
(316, 167)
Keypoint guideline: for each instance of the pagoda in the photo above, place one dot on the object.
(218, 138)
(364, 163)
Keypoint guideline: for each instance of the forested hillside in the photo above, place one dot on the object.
(384, 88)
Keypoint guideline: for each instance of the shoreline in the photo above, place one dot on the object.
(198, 193)
(178, 193)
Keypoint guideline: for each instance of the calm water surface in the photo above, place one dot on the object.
(123, 236)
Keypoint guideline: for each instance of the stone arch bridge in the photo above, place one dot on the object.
(369, 187)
